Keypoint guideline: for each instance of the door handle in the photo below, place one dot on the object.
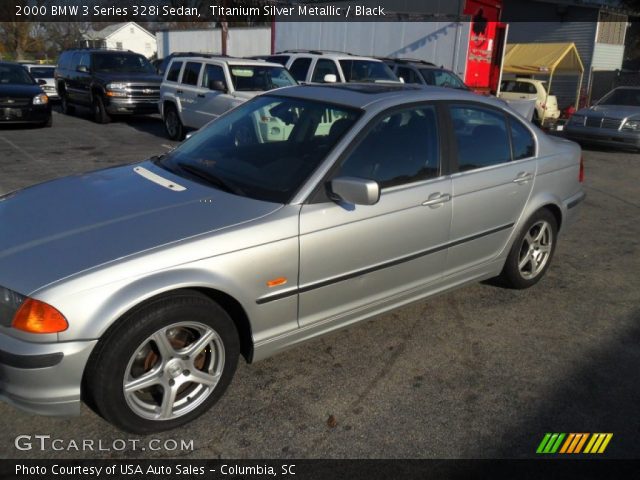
(523, 177)
(201, 95)
(436, 199)
(179, 92)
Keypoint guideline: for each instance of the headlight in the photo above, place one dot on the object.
(116, 89)
(28, 314)
(577, 119)
(10, 302)
(116, 86)
(41, 99)
(631, 125)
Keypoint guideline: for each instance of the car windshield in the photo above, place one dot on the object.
(366, 71)
(264, 149)
(259, 77)
(14, 74)
(42, 72)
(442, 78)
(622, 96)
(121, 63)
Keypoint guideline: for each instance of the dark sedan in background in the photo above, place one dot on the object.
(21, 97)
(613, 121)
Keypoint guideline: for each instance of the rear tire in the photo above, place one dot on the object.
(172, 124)
(100, 114)
(531, 253)
(185, 349)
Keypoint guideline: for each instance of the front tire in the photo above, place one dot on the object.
(531, 253)
(164, 364)
(100, 114)
(67, 109)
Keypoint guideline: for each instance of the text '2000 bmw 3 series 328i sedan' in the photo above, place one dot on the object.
(140, 286)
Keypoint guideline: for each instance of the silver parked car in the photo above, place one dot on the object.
(614, 120)
(139, 286)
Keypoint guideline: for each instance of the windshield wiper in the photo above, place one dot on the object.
(211, 178)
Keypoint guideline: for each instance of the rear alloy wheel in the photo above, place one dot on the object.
(173, 124)
(531, 253)
(100, 114)
(164, 365)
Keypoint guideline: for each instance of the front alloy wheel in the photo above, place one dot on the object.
(163, 364)
(173, 371)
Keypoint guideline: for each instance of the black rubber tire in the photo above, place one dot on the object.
(511, 276)
(48, 123)
(66, 108)
(100, 114)
(108, 362)
(171, 113)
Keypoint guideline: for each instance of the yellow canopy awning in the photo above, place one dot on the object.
(542, 59)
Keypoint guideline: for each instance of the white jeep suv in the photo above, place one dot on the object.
(198, 89)
(316, 66)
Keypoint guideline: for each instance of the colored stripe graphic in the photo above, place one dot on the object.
(574, 443)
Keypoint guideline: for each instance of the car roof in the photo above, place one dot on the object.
(362, 95)
(228, 60)
(323, 54)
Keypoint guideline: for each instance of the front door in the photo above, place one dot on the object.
(356, 255)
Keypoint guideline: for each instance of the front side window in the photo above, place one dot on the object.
(442, 78)
(211, 75)
(482, 137)
(191, 73)
(408, 75)
(264, 149)
(299, 68)
(324, 67)
(401, 148)
(174, 72)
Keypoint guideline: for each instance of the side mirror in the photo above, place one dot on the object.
(42, 81)
(82, 69)
(218, 86)
(330, 78)
(358, 191)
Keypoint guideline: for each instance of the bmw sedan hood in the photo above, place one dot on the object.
(611, 111)
(59, 228)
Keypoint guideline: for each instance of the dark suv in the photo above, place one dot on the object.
(424, 73)
(110, 82)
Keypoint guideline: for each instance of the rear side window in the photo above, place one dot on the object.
(522, 142)
(174, 72)
(324, 67)
(299, 68)
(191, 73)
(481, 135)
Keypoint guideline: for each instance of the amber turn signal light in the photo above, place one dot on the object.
(35, 316)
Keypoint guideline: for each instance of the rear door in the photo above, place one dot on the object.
(494, 155)
(187, 93)
(353, 256)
